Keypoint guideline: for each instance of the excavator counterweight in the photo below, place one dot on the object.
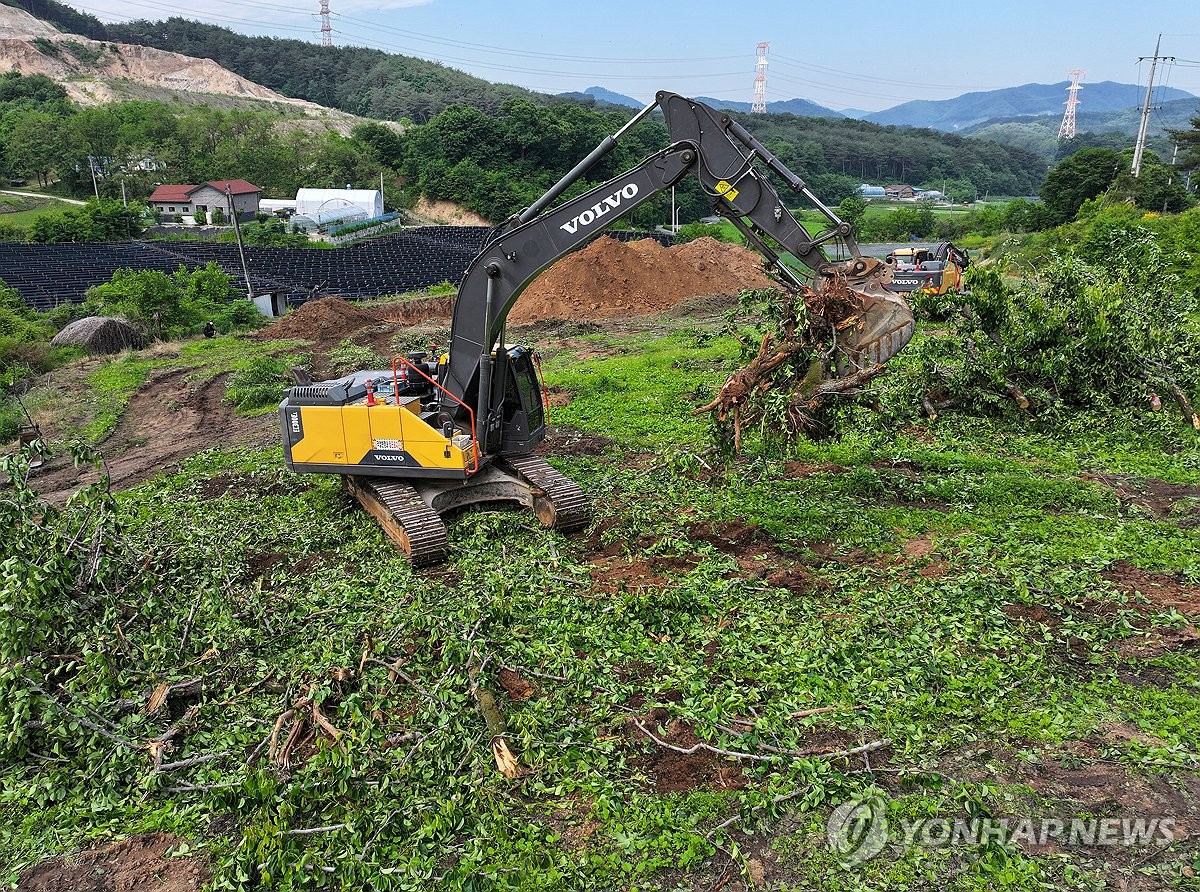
(435, 434)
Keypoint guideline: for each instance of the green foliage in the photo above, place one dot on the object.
(852, 210)
(148, 298)
(172, 305)
(689, 232)
(1104, 326)
(30, 90)
(442, 289)
(97, 221)
(272, 234)
(732, 597)
(52, 557)
(257, 385)
(350, 357)
(11, 232)
(218, 216)
(1077, 178)
(24, 341)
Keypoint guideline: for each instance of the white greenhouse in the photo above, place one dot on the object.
(326, 206)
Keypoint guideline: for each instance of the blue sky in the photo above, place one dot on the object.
(868, 55)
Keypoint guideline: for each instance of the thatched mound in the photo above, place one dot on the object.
(100, 334)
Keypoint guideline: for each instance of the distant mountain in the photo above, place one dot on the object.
(783, 107)
(1028, 100)
(858, 113)
(602, 95)
(1040, 134)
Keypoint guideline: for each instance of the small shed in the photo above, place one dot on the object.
(100, 334)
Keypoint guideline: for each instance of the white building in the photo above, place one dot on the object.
(326, 206)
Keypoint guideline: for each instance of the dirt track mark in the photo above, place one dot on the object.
(166, 421)
(140, 862)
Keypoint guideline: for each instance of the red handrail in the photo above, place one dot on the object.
(474, 466)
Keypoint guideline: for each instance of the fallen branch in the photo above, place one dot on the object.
(188, 763)
(311, 831)
(87, 723)
(1185, 404)
(506, 760)
(394, 669)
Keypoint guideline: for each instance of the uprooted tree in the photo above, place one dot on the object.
(791, 379)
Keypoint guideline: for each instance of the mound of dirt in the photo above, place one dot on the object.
(327, 319)
(140, 862)
(609, 279)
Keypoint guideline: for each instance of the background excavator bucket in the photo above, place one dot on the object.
(870, 323)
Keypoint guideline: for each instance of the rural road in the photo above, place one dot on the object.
(41, 195)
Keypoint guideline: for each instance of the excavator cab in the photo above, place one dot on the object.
(522, 414)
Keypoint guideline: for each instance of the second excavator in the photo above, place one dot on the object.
(434, 434)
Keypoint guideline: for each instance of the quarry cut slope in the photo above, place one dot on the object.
(94, 73)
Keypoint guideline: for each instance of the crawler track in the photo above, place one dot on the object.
(561, 505)
(404, 516)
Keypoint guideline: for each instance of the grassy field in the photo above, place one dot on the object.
(966, 620)
(23, 210)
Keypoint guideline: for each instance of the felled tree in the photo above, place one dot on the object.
(794, 373)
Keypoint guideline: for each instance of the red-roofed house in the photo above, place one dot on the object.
(207, 196)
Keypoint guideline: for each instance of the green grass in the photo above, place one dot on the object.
(23, 211)
(278, 581)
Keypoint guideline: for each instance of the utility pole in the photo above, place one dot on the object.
(1140, 147)
(95, 185)
(237, 231)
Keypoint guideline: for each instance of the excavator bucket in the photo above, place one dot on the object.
(870, 323)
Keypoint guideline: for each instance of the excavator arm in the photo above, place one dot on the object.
(726, 159)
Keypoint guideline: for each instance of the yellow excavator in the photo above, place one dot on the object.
(431, 435)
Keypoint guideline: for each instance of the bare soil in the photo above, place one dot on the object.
(1157, 497)
(675, 772)
(167, 420)
(138, 864)
(609, 278)
(1162, 591)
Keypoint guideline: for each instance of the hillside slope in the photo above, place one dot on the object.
(94, 73)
